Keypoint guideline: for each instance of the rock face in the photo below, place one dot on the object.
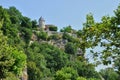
(79, 52)
(24, 74)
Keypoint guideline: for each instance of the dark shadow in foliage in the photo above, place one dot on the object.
(53, 28)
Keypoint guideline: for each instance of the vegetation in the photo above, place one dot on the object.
(53, 28)
(67, 29)
(46, 61)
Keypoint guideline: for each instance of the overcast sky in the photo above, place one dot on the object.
(63, 12)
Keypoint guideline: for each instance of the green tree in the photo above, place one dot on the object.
(34, 24)
(33, 71)
(67, 29)
(26, 22)
(109, 74)
(89, 20)
(68, 37)
(42, 35)
(81, 78)
(6, 21)
(54, 37)
(70, 48)
(26, 34)
(11, 60)
(6, 60)
(66, 73)
(53, 28)
(105, 34)
(39, 61)
(19, 61)
(55, 58)
(84, 69)
(15, 15)
(11, 76)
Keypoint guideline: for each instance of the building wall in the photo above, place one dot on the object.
(41, 23)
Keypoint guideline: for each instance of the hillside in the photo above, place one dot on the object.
(29, 51)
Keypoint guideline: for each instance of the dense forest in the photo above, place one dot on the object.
(29, 53)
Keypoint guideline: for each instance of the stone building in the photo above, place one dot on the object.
(42, 24)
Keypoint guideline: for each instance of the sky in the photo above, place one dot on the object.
(63, 12)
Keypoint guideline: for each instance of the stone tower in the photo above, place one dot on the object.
(41, 23)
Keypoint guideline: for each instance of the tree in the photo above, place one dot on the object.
(42, 35)
(34, 24)
(6, 60)
(55, 58)
(6, 21)
(54, 37)
(109, 74)
(81, 78)
(68, 37)
(26, 22)
(11, 76)
(11, 59)
(15, 15)
(47, 58)
(67, 29)
(70, 48)
(53, 28)
(66, 73)
(33, 71)
(36, 64)
(105, 34)
(19, 61)
(84, 69)
(90, 20)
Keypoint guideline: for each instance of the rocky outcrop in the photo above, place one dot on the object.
(24, 74)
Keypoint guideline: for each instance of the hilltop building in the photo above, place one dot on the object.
(54, 36)
(41, 23)
(44, 26)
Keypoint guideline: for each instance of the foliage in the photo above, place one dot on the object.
(34, 24)
(81, 78)
(33, 71)
(6, 60)
(53, 28)
(66, 73)
(67, 29)
(11, 76)
(55, 58)
(68, 37)
(109, 74)
(19, 61)
(46, 58)
(42, 35)
(26, 22)
(104, 34)
(26, 33)
(46, 61)
(15, 15)
(70, 48)
(54, 37)
(84, 69)
(89, 20)
(11, 60)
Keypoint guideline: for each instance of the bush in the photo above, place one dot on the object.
(54, 36)
(42, 35)
(53, 28)
(70, 48)
(66, 73)
(81, 78)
